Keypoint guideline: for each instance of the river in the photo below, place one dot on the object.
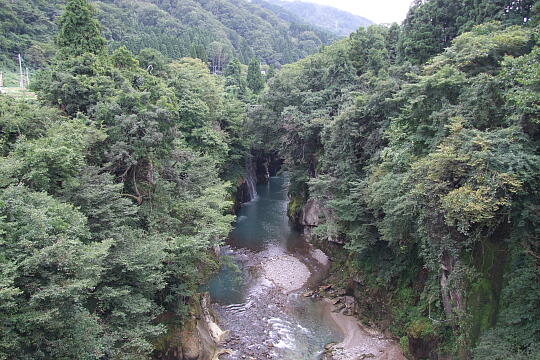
(267, 265)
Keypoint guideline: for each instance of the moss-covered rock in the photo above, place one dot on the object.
(197, 338)
(422, 339)
(484, 291)
(294, 209)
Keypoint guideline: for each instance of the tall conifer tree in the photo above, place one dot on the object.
(79, 30)
(254, 77)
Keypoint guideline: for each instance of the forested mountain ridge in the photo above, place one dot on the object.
(421, 151)
(215, 30)
(113, 193)
(412, 151)
(334, 20)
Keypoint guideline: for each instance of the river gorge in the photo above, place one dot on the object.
(266, 293)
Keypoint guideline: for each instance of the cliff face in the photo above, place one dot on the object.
(382, 306)
(259, 168)
(246, 185)
(198, 339)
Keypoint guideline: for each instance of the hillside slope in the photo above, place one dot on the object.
(339, 22)
(209, 29)
(413, 156)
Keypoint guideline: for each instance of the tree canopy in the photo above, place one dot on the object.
(194, 28)
(79, 32)
(114, 192)
(420, 143)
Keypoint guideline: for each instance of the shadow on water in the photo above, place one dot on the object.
(268, 322)
(230, 284)
(263, 221)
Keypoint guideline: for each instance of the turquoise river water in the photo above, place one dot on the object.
(264, 321)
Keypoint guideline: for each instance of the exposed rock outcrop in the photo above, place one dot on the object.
(313, 214)
(258, 170)
(310, 215)
(198, 339)
(266, 165)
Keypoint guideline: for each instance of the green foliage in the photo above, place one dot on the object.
(522, 95)
(51, 270)
(271, 72)
(174, 28)
(421, 328)
(423, 170)
(515, 335)
(254, 79)
(431, 25)
(111, 198)
(74, 91)
(482, 49)
(113, 188)
(122, 58)
(47, 163)
(336, 21)
(370, 49)
(27, 28)
(404, 344)
(152, 61)
(24, 119)
(79, 32)
(234, 81)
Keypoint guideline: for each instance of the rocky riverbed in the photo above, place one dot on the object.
(359, 342)
(268, 326)
(275, 321)
(268, 295)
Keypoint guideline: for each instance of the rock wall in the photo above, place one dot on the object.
(266, 165)
(245, 190)
(198, 339)
(258, 170)
(312, 214)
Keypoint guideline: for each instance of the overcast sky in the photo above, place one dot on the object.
(379, 11)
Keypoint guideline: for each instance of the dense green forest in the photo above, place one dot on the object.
(421, 145)
(419, 142)
(114, 191)
(214, 31)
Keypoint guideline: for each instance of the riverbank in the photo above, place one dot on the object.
(275, 321)
(359, 342)
(267, 267)
(265, 327)
(289, 274)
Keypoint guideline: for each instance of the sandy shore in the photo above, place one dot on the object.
(360, 342)
(290, 274)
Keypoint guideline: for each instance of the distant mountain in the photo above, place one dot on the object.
(209, 29)
(337, 21)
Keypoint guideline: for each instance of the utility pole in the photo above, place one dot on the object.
(27, 78)
(1, 79)
(21, 81)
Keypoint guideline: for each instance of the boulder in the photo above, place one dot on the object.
(350, 305)
(310, 213)
(191, 346)
(422, 348)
